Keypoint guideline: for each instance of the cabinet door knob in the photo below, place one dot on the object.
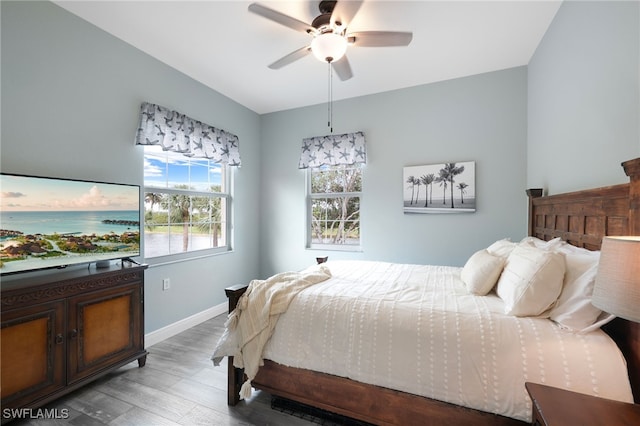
(59, 339)
(74, 333)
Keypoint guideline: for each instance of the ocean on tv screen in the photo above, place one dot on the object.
(48, 239)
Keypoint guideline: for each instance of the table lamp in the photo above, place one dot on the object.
(617, 286)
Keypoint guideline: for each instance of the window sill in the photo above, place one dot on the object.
(182, 257)
(334, 247)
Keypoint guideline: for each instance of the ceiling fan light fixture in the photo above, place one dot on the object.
(329, 46)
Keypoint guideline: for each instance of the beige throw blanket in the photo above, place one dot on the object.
(250, 325)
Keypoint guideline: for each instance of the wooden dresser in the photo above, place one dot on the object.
(65, 329)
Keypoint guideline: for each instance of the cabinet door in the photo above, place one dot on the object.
(33, 346)
(104, 327)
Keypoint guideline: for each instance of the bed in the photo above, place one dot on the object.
(579, 219)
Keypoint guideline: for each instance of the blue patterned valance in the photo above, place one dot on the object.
(331, 150)
(178, 133)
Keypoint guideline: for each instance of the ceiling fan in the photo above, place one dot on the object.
(330, 35)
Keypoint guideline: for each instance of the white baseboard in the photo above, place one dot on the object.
(163, 333)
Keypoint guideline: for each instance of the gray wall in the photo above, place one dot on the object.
(480, 118)
(584, 97)
(70, 100)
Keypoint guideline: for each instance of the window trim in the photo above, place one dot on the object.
(228, 179)
(310, 196)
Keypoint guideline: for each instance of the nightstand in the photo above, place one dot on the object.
(559, 407)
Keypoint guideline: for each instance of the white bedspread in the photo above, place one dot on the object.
(416, 328)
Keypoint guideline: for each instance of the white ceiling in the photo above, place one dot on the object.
(222, 45)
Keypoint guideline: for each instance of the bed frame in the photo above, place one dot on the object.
(582, 218)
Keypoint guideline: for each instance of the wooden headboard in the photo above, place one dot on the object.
(583, 218)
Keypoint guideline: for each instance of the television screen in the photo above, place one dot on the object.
(53, 223)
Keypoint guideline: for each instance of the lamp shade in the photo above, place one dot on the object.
(617, 287)
(329, 47)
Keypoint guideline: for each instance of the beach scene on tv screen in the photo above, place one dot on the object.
(46, 223)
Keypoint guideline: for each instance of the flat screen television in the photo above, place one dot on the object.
(54, 223)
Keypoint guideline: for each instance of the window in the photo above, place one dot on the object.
(186, 204)
(334, 206)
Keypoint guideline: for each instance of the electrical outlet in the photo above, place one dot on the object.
(166, 284)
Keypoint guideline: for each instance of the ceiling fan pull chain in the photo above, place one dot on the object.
(329, 96)
(330, 107)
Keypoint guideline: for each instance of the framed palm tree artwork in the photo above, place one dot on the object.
(440, 188)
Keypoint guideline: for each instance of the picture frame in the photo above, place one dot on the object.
(440, 188)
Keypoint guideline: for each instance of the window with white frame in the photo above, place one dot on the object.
(186, 204)
(334, 193)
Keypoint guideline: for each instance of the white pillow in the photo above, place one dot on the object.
(502, 248)
(542, 244)
(481, 272)
(531, 281)
(602, 319)
(573, 309)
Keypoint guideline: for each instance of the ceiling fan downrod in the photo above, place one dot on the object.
(326, 10)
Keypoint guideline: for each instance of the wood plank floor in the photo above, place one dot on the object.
(178, 386)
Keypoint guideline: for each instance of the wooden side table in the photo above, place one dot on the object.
(559, 407)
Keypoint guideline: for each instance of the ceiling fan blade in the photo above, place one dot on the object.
(342, 68)
(344, 11)
(380, 38)
(280, 18)
(291, 57)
